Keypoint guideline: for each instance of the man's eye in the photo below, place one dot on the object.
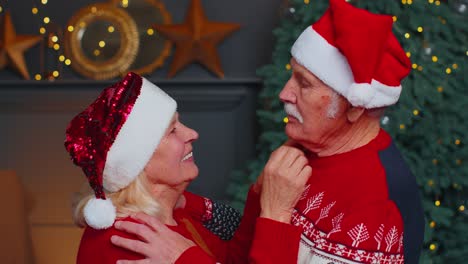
(305, 84)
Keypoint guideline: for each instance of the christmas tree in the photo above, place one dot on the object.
(428, 124)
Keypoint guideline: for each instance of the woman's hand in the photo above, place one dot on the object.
(159, 243)
(283, 182)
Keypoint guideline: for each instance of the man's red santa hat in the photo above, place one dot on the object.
(355, 53)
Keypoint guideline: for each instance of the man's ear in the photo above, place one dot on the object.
(354, 113)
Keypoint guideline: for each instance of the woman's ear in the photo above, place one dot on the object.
(354, 113)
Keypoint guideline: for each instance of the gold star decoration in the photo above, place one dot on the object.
(196, 40)
(13, 46)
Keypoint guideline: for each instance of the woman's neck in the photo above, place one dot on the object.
(167, 197)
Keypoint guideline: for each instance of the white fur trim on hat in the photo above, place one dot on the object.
(326, 62)
(139, 136)
(99, 213)
(360, 94)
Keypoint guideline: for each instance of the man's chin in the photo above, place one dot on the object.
(291, 130)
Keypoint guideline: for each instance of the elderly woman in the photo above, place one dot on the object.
(137, 157)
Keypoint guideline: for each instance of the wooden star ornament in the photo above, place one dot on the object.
(13, 46)
(196, 40)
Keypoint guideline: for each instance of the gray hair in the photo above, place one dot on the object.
(334, 107)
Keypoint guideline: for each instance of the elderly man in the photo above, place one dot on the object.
(361, 204)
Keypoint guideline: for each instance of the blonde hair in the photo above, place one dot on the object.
(134, 198)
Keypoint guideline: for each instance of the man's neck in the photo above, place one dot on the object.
(354, 136)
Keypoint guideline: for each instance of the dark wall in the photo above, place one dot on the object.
(33, 115)
(241, 53)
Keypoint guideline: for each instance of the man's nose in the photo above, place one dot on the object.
(287, 94)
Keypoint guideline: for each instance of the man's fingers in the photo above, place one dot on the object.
(140, 230)
(298, 164)
(130, 244)
(150, 221)
(305, 174)
(141, 261)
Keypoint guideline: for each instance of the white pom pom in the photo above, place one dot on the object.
(99, 213)
(360, 94)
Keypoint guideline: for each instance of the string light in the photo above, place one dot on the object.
(55, 74)
(467, 53)
(448, 71)
(455, 66)
(407, 35)
(67, 62)
(414, 66)
(124, 3)
(420, 68)
(430, 183)
(102, 43)
(35, 10)
(431, 1)
(437, 203)
(56, 46)
(70, 28)
(288, 66)
(93, 9)
(403, 2)
(110, 29)
(410, 2)
(42, 30)
(432, 247)
(458, 161)
(54, 39)
(97, 52)
(461, 208)
(61, 58)
(46, 20)
(306, 2)
(420, 29)
(150, 31)
(437, 3)
(38, 77)
(285, 120)
(395, 18)
(1, 9)
(440, 89)
(415, 112)
(435, 161)
(457, 142)
(408, 54)
(435, 59)
(402, 126)
(44, 2)
(432, 224)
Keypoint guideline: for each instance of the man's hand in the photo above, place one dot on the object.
(284, 178)
(257, 186)
(159, 243)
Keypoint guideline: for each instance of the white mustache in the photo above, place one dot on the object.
(291, 110)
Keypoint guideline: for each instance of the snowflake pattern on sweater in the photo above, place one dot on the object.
(346, 214)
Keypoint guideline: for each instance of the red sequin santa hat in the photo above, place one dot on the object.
(355, 53)
(114, 138)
